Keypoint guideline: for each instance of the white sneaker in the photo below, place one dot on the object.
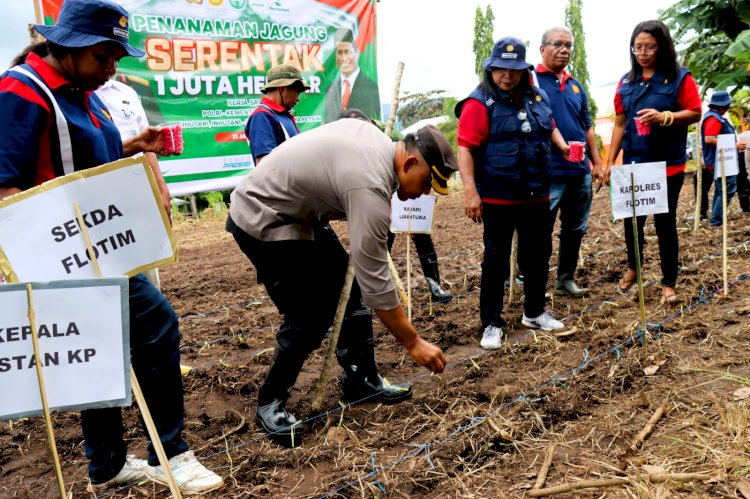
(545, 322)
(191, 476)
(134, 470)
(492, 339)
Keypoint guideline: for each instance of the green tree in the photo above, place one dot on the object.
(483, 37)
(577, 63)
(418, 106)
(714, 38)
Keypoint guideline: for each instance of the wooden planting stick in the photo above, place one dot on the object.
(638, 272)
(334, 339)
(349, 278)
(394, 99)
(699, 188)
(542, 476)
(139, 398)
(43, 393)
(408, 269)
(724, 224)
(513, 259)
(610, 482)
(397, 280)
(388, 130)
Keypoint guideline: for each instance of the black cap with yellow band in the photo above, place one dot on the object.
(438, 154)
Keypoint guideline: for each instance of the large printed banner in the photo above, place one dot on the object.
(206, 61)
(84, 346)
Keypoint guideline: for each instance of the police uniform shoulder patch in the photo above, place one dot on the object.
(576, 90)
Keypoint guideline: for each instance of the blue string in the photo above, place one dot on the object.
(374, 474)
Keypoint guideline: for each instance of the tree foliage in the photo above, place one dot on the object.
(483, 37)
(577, 64)
(713, 37)
(418, 106)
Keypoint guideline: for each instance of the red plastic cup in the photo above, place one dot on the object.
(576, 151)
(171, 135)
(641, 127)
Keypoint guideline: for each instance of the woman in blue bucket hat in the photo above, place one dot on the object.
(505, 132)
(53, 124)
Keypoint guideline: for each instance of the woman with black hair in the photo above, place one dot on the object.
(663, 96)
(53, 125)
(505, 131)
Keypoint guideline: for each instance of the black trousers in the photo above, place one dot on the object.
(426, 252)
(666, 231)
(304, 279)
(707, 180)
(534, 251)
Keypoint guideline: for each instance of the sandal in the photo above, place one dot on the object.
(625, 284)
(668, 294)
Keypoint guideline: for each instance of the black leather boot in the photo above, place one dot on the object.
(280, 425)
(373, 389)
(355, 352)
(438, 293)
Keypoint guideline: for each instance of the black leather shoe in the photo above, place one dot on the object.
(438, 293)
(379, 391)
(280, 425)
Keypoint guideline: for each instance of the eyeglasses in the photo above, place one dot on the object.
(644, 49)
(559, 45)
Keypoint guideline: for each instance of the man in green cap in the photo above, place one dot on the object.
(272, 122)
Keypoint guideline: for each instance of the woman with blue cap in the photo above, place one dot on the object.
(714, 124)
(505, 133)
(53, 124)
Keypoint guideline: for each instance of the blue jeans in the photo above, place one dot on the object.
(155, 356)
(534, 249)
(717, 217)
(571, 195)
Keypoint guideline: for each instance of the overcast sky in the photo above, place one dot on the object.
(434, 39)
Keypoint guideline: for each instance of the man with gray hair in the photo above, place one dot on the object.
(571, 190)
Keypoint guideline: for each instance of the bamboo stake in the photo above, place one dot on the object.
(513, 260)
(408, 268)
(542, 477)
(38, 12)
(698, 196)
(724, 224)
(43, 394)
(638, 270)
(397, 280)
(334, 339)
(388, 130)
(349, 278)
(139, 398)
(698, 188)
(610, 482)
(394, 99)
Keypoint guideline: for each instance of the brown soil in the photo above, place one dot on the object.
(482, 428)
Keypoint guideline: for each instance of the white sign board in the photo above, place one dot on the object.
(648, 182)
(727, 143)
(40, 239)
(84, 346)
(413, 215)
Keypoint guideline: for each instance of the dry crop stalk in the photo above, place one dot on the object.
(542, 477)
(610, 482)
